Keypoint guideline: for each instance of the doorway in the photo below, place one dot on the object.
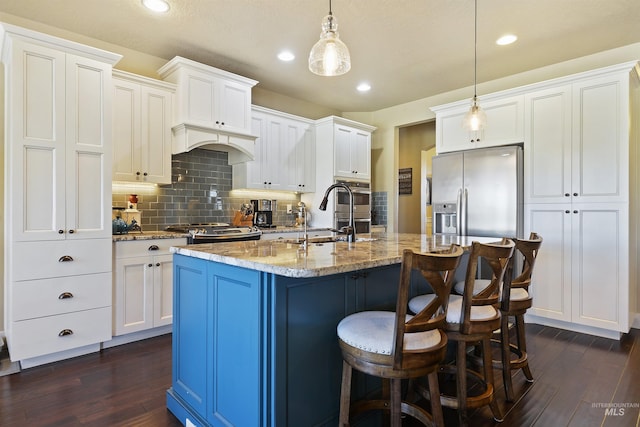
(416, 148)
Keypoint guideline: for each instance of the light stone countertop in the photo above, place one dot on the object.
(147, 235)
(322, 259)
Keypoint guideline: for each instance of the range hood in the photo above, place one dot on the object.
(212, 109)
(240, 147)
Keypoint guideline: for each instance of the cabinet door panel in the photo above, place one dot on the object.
(600, 120)
(551, 282)
(600, 279)
(37, 149)
(342, 143)
(133, 296)
(156, 135)
(235, 106)
(126, 138)
(361, 154)
(88, 168)
(162, 290)
(548, 146)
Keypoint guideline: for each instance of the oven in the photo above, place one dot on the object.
(361, 205)
(215, 233)
(363, 225)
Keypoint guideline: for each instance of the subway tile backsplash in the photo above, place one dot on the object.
(199, 193)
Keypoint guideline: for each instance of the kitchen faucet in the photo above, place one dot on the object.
(349, 230)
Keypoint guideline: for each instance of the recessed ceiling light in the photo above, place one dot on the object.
(160, 6)
(506, 39)
(364, 87)
(286, 56)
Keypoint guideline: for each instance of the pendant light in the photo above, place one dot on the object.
(475, 120)
(329, 56)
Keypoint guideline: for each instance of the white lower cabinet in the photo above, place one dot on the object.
(143, 281)
(582, 270)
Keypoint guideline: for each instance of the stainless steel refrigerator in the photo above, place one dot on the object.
(478, 192)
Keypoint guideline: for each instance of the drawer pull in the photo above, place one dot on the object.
(65, 295)
(150, 265)
(65, 332)
(154, 248)
(65, 258)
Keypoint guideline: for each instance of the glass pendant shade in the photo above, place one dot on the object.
(329, 56)
(475, 119)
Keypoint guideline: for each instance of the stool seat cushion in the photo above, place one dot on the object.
(478, 286)
(518, 294)
(373, 331)
(478, 313)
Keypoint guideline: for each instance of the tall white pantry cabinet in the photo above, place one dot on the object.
(57, 195)
(581, 195)
(581, 192)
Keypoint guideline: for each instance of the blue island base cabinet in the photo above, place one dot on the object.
(257, 349)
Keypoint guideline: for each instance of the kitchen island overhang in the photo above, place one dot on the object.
(254, 335)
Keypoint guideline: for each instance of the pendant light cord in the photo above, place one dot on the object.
(475, 50)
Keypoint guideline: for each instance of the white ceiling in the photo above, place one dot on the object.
(406, 49)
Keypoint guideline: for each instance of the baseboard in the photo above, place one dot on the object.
(137, 336)
(636, 321)
(61, 355)
(590, 330)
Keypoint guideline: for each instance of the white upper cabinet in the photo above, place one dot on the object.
(548, 145)
(59, 147)
(504, 126)
(352, 152)
(213, 106)
(284, 157)
(142, 111)
(575, 149)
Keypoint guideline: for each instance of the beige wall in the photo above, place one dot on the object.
(412, 141)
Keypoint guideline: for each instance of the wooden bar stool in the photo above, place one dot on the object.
(397, 346)
(471, 319)
(515, 302)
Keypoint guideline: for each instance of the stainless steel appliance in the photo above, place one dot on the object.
(263, 212)
(361, 205)
(478, 192)
(215, 232)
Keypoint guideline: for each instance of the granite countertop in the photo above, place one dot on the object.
(147, 235)
(291, 229)
(322, 259)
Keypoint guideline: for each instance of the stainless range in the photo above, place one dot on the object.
(217, 232)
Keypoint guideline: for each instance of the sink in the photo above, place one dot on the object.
(324, 239)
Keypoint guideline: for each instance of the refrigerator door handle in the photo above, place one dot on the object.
(459, 213)
(463, 211)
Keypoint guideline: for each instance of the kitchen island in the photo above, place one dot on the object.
(254, 332)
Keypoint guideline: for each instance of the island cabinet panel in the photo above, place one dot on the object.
(308, 363)
(257, 349)
(217, 345)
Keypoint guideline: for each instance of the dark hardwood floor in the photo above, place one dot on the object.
(576, 375)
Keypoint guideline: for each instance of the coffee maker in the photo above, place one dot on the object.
(263, 212)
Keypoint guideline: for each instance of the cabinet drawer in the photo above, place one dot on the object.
(48, 297)
(135, 248)
(40, 260)
(37, 337)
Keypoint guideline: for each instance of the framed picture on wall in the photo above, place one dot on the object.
(405, 177)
